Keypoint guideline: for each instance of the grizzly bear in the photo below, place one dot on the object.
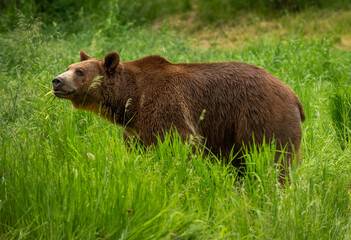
(240, 103)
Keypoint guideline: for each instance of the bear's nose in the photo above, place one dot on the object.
(56, 82)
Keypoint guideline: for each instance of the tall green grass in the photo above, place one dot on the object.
(67, 174)
(76, 13)
(340, 110)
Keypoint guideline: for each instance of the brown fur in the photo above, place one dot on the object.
(151, 95)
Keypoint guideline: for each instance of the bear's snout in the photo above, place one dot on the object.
(56, 83)
(62, 87)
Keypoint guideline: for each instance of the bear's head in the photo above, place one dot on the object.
(81, 81)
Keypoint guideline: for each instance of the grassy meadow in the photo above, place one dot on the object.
(66, 174)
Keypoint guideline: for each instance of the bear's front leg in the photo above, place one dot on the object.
(132, 138)
(153, 128)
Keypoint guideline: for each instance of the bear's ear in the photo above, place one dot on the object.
(84, 56)
(111, 61)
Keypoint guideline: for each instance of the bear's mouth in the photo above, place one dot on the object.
(61, 94)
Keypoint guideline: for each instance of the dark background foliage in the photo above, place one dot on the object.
(139, 12)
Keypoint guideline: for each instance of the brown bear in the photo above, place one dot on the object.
(149, 96)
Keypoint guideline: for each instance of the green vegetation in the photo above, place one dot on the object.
(66, 174)
(340, 110)
(139, 12)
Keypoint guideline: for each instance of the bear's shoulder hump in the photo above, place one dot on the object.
(153, 59)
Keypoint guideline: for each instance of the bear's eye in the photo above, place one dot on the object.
(79, 72)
